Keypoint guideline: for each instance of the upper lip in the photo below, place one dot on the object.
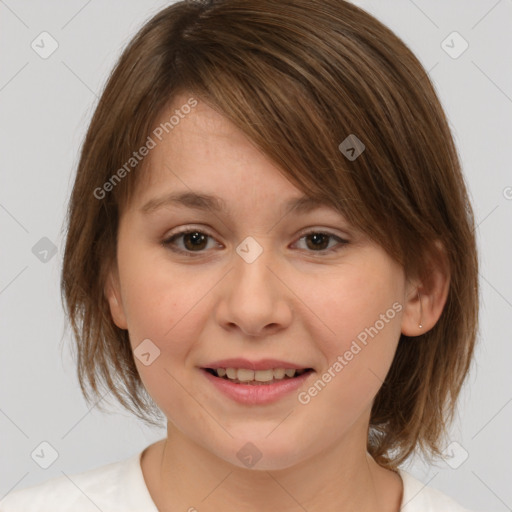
(262, 364)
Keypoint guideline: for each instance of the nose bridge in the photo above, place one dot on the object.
(251, 275)
(254, 300)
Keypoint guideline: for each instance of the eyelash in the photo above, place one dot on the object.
(168, 242)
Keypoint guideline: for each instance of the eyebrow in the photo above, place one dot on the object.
(207, 202)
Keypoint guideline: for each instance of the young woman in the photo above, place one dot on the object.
(269, 242)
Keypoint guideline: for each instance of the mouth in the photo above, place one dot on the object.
(257, 377)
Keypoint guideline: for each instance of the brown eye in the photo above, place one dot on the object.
(317, 241)
(195, 240)
(189, 242)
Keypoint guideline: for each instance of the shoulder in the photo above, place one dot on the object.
(417, 497)
(116, 486)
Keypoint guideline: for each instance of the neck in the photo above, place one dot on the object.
(182, 475)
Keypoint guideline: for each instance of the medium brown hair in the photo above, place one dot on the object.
(297, 77)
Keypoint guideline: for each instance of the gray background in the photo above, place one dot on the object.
(45, 105)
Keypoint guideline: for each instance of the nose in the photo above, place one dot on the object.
(253, 299)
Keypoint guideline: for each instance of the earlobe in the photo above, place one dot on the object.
(425, 299)
(113, 295)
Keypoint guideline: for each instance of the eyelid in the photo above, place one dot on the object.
(341, 241)
(323, 230)
(188, 228)
(184, 230)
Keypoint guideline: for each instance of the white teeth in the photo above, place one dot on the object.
(279, 373)
(263, 375)
(231, 373)
(246, 375)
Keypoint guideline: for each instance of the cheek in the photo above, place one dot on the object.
(169, 307)
(168, 311)
(350, 302)
(360, 312)
(158, 298)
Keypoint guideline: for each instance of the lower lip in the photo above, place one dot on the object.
(257, 394)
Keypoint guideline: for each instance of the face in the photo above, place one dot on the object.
(246, 276)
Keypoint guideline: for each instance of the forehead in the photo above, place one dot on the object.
(205, 154)
(190, 114)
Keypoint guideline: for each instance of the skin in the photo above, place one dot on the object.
(294, 302)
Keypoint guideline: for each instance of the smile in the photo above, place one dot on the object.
(256, 377)
(256, 387)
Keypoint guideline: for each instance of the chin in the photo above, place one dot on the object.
(263, 453)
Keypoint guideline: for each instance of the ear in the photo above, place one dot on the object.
(426, 296)
(112, 292)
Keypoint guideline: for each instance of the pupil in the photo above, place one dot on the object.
(197, 240)
(320, 241)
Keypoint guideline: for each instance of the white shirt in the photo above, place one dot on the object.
(120, 487)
